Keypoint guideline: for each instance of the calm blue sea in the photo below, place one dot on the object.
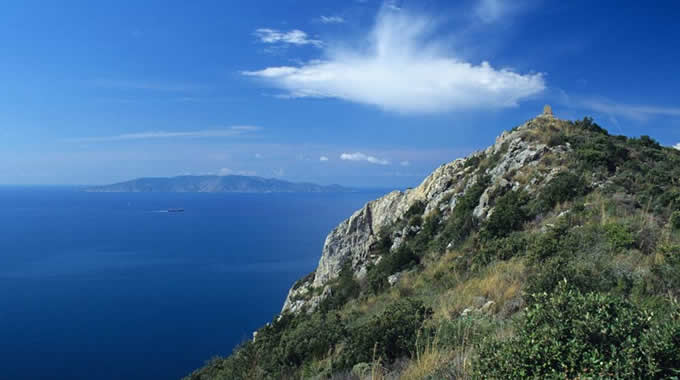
(103, 286)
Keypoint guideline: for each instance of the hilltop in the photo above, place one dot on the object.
(217, 184)
(554, 253)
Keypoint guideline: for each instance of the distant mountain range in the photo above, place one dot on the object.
(216, 184)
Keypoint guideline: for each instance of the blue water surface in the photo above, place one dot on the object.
(105, 286)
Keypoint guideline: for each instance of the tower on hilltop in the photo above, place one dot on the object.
(547, 110)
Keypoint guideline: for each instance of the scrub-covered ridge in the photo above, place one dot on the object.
(554, 253)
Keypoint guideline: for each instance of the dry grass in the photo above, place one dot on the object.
(499, 283)
(427, 363)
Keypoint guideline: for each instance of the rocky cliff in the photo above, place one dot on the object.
(559, 233)
(352, 241)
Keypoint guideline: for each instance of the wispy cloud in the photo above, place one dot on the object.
(331, 19)
(405, 163)
(490, 11)
(293, 37)
(636, 112)
(615, 109)
(358, 156)
(405, 69)
(323, 158)
(392, 5)
(226, 132)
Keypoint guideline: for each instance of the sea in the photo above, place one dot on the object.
(111, 286)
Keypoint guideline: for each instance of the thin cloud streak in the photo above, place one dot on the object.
(358, 156)
(228, 132)
(293, 37)
(636, 112)
(331, 19)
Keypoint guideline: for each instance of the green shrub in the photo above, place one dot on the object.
(619, 237)
(462, 222)
(509, 214)
(389, 336)
(417, 208)
(563, 187)
(424, 240)
(556, 139)
(402, 258)
(675, 220)
(589, 125)
(570, 335)
(514, 244)
(343, 289)
(668, 271)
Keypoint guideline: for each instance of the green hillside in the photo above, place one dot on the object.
(565, 267)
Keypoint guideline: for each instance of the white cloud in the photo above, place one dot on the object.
(323, 158)
(403, 70)
(227, 171)
(358, 156)
(404, 163)
(677, 146)
(293, 37)
(226, 132)
(331, 19)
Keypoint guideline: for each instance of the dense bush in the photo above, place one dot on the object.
(563, 187)
(675, 219)
(343, 289)
(569, 335)
(388, 336)
(424, 240)
(589, 125)
(462, 222)
(417, 208)
(667, 271)
(402, 258)
(619, 236)
(509, 214)
(599, 152)
(505, 248)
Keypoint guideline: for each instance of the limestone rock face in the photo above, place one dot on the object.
(351, 241)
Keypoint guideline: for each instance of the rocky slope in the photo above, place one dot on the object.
(559, 233)
(352, 240)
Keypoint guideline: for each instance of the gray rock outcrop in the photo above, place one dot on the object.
(351, 241)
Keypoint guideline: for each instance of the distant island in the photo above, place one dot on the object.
(215, 184)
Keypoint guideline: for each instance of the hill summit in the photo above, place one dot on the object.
(553, 253)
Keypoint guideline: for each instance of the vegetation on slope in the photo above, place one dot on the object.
(578, 280)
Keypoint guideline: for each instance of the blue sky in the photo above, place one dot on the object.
(361, 93)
